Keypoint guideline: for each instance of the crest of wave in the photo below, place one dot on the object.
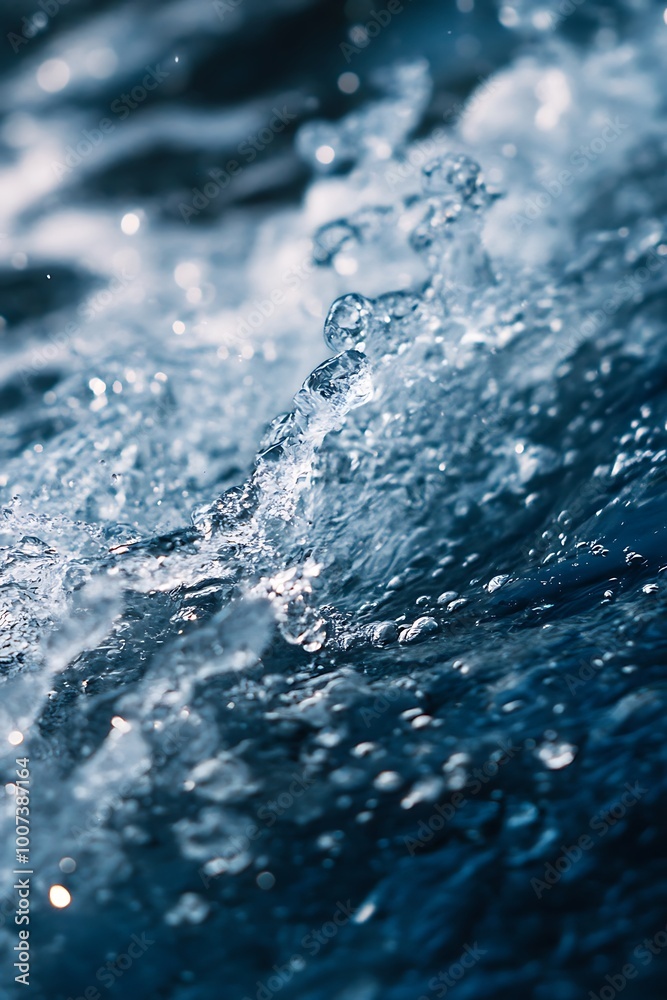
(428, 422)
(430, 417)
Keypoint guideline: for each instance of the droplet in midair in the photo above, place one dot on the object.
(348, 321)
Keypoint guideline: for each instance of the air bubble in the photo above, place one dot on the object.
(338, 385)
(348, 321)
(455, 173)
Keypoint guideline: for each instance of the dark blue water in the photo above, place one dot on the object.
(332, 386)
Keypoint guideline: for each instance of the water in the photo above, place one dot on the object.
(333, 525)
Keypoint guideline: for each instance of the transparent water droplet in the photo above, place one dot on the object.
(447, 597)
(277, 431)
(275, 439)
(348, 321)
(190, 909)
(399, 305)
(388, 781)
(384, 633)
(454, 173)
(303, 626)
(557, 756)
(336, 386)
(331, 238)
(418, 631)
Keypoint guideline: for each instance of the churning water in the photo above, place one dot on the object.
(331, 596)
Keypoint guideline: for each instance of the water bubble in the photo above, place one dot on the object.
(448, 236)
(348, 83)
(331, 238)
(454, 174)
(276, 436)
(338, 385)
(447, 596)
(399, 317)
(399, 305)
(557, 757)
(348, 321)
(384, 633)
(266, 880)
(325, 154)
(435, 225)
(318, 142)
(454, 170)
(53, 75)
(418, 631)
(190, 909)
(424, 790)
(300, 623)
(388, 781)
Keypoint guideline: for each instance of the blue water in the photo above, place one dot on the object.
(333, 491)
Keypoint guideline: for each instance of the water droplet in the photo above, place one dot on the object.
(418, 631)
(454, 173)
(447, 596)
(331, 238)
(348, 321)
(190, 909)
(53, 75)
(384, 633)
(338, 385)
(266, 880)
(557, 757)
(388, 781)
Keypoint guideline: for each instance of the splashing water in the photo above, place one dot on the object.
(446, 557)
